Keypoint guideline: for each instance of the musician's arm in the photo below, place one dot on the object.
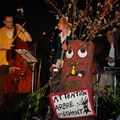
(6, 47)
(24, 31)
(29, 39)
(64, 47)
(57, 56)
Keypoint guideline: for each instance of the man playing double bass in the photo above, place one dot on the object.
(6, 40)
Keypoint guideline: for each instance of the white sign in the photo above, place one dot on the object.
(72, 104)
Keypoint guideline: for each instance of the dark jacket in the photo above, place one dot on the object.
(59, 47)
(101, 58)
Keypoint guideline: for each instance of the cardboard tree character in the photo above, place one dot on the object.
(76, 73)
(77, 68)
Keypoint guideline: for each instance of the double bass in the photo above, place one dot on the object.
(19, 80)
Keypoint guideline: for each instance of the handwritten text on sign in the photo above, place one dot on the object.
(72, 104)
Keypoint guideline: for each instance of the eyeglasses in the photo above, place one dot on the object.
(8, 21)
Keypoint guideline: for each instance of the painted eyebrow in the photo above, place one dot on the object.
(82, 44)
(69, 46)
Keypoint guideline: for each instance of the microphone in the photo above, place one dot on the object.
(56, 27)
(44, 33)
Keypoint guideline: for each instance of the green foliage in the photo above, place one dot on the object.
(32, 103)
(112, 97)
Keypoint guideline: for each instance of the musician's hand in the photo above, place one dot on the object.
(64, 47)
(51, 68)
(110, 59)
(19, 27)
(8, 47)
(12, 69)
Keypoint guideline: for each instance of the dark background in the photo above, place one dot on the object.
(40, 24)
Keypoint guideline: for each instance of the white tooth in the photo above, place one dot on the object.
(80, 75)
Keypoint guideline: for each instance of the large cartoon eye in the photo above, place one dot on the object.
(69, 53)
(82, 53)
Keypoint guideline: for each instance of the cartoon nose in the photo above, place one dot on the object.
(73, 71)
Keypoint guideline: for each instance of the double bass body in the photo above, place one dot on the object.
(19, 80)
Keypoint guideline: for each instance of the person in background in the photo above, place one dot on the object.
(62, 43)
(108, 60)
(63, 40)
(6, 40)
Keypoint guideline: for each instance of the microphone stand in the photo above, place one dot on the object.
(34, 74)
(51, 46)
(37, 81)
(35, 77)
(40, 64)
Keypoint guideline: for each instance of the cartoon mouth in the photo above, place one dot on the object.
(74, 71)
(78, 73)
(81, 73)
